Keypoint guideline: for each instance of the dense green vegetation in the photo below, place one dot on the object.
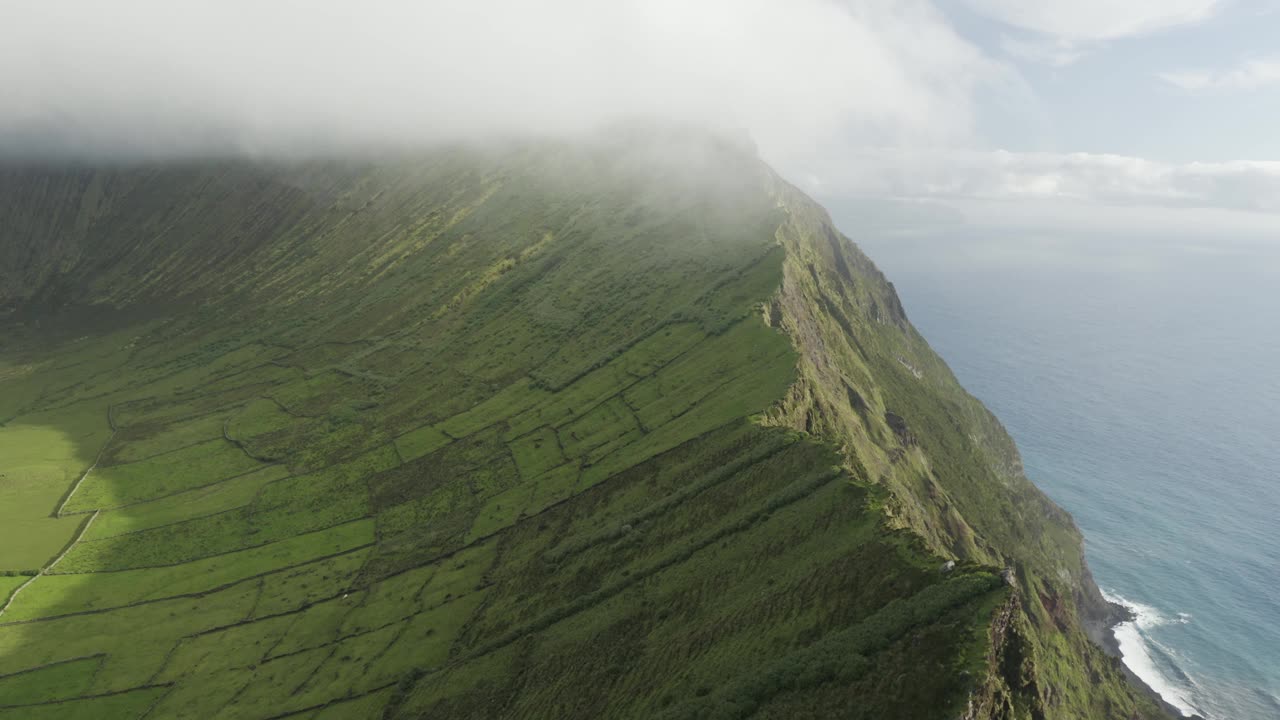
(547, 432)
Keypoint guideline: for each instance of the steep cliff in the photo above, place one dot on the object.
(618, 429)
(869, 382)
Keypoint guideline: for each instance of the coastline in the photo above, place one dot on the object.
(1106, 639)
(1145, 481)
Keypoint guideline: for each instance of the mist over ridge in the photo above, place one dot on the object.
(164, 79)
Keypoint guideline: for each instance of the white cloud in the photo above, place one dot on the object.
(175, 76)
(1249, 75)
(1089, 20)
(1059, 33)
(1096, 179)
(1216, 227)
(1057, 52)
(816, 83)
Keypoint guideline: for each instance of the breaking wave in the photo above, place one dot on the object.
(1148, 659)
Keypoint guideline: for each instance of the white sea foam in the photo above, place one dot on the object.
(1135, 650)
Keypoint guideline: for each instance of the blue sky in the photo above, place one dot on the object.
(1150, 116)
(1117, 94)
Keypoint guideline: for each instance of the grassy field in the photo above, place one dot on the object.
(560, 433)
(38, 464)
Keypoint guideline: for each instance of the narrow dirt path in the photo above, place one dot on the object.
(63, 506)
(84, 527)
(44, 570)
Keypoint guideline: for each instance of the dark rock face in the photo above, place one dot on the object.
(899, 427)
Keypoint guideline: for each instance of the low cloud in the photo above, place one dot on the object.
(1092, 20)
(875, 98)
(1248, 75)
(181, 77)
(1098, 179)
(1060, 33)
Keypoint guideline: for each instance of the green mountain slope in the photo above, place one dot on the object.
(621, 430)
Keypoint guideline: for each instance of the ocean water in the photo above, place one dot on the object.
(1141, 380)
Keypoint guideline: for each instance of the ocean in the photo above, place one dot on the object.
(1141, 380)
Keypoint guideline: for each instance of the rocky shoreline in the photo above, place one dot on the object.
(1104, 634)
